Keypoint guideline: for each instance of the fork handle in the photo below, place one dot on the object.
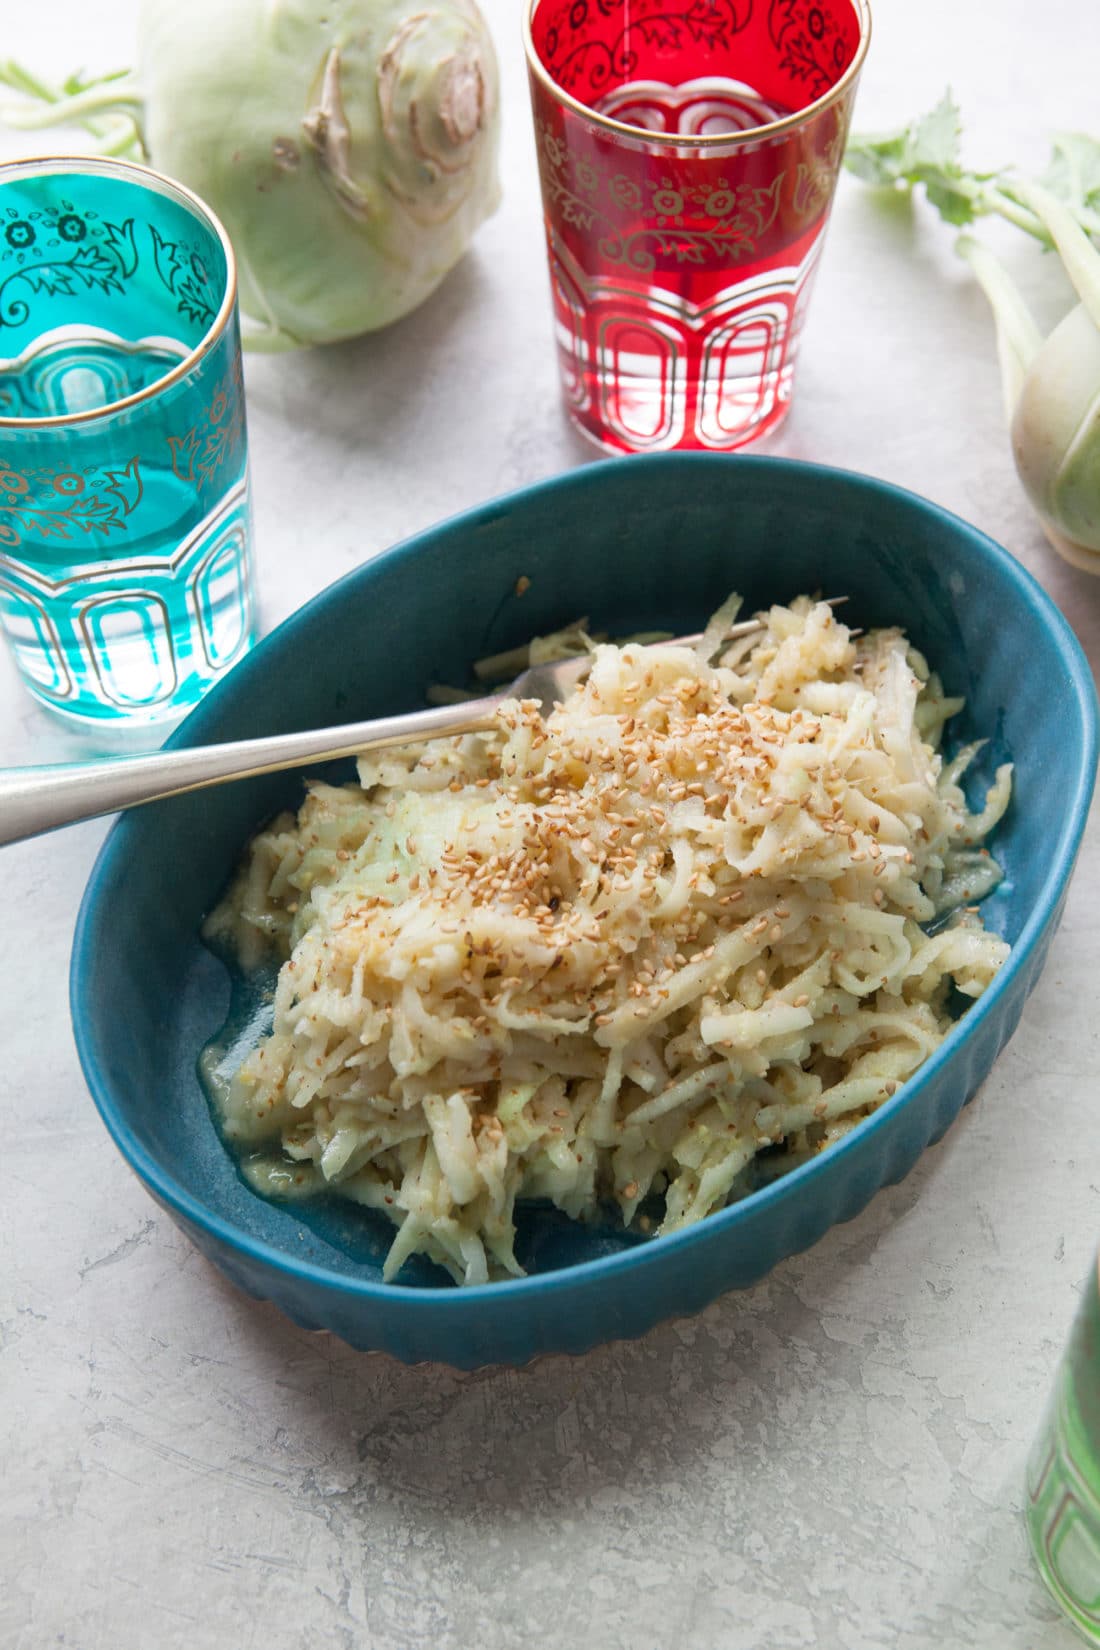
(37, 799)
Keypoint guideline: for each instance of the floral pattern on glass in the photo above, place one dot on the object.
(682, 214)
(584, 61)
(793, 51)
(813, 46)
(66, 504)
(202, 451)
(59, 251)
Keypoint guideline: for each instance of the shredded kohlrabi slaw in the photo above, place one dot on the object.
(610, 956)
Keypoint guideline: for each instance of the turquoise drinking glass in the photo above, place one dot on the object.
(125, 536)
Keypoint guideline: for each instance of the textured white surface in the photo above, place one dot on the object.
(833, 1459)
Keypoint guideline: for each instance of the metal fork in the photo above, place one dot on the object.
(38, 799)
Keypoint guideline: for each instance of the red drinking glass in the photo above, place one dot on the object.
(688, 151)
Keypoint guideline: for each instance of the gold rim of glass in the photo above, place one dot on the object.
(145, 177)
(705, 140)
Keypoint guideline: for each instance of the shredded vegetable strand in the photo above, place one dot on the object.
(613, 955)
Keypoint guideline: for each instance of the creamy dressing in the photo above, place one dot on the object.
(248, 1021)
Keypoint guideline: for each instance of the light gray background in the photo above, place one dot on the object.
(833, 1459)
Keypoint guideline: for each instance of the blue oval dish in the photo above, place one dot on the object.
(635, 543)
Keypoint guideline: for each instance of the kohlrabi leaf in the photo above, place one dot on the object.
(927, 145)
(953, 203)
(1074, 171)
(878, 161)
(927, 152)
(924, 152)
(932, 142)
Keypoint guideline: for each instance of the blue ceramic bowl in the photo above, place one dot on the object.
(636, 543)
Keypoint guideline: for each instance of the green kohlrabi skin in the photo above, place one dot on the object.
(1056, 431)
(349, 147)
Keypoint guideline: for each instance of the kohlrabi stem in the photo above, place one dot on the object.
(1018, 338)
(126, 140)
(988, 198)
(266, 340)
(120, 96)
(110, 107)
(21, 80)
(1083, 216)
(1010, 201)
(1080, 257)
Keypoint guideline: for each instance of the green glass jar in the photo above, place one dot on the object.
(1063, 1480)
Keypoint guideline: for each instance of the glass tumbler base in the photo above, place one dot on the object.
(648, 413)
(1063, 1518)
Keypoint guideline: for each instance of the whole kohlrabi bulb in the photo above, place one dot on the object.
(349, 147)
(1056, 437)
(1052, 385)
